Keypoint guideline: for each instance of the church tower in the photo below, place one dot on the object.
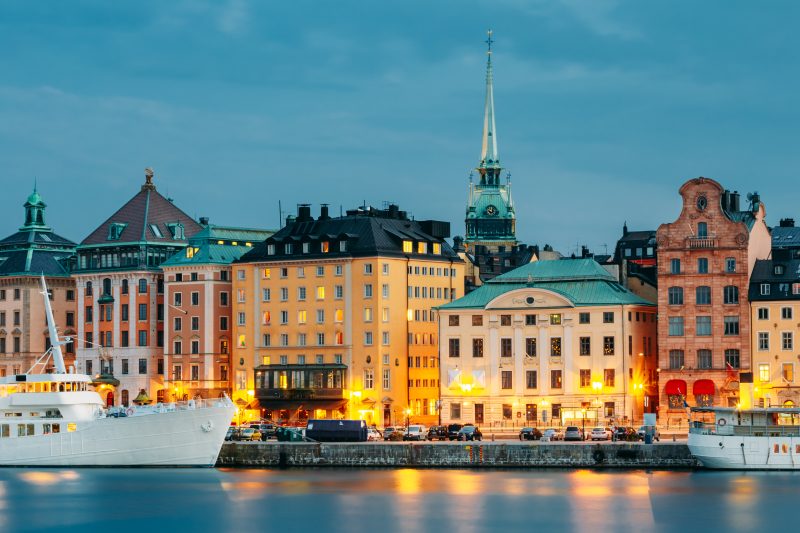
(490, 219)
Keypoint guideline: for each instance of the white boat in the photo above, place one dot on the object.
(58, 420)
(746, 439)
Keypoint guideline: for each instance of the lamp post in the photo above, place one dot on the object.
(408, 417)
(583, 424)
(598, 387)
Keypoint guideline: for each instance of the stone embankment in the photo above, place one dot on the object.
(457, 455)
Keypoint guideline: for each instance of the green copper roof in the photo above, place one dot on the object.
(581, 281)
(215, 245)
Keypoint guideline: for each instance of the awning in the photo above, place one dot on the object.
(675, 386)
(703, 386)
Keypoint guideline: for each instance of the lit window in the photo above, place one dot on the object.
(242, 343)
(267, 273)
(301, 317)
(437, 248)
(422, 247)
(324, 247)
(320, 293)
(763, 372)
(408, 247)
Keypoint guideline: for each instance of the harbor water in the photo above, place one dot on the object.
(222, 500)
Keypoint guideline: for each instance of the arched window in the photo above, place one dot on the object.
(106, 286)
(731, 294)
(124, 288)
(142, 286)
(88, 288)
(675, 295)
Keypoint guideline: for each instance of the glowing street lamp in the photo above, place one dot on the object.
(408, 417)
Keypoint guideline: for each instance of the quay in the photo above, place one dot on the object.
(268, 454)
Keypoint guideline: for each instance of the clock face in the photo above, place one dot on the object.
(702, 203)
(491, 210)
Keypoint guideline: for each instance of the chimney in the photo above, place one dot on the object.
(734, 201)
(204, 221)
(304, 213)
(323, 212)
(787, 223)
(726, 200)
(625, 229)
(393, 211)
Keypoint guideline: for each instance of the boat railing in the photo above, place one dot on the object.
(704, 428)
(183, 405)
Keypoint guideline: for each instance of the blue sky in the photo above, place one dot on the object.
(604, 108)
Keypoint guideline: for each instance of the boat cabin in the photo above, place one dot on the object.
(769, 422)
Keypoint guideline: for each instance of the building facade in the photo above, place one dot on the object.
(552, 342)
(198, 325)
(705, 258)
(774, 307)
(25, 256)
(120, 291)
(334, 317)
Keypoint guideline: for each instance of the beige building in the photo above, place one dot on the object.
(24, 256)
(552, 342)
(334, 317)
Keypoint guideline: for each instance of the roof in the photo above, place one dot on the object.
(785, 237)
(32, 262)
(582, 281)
(367, 232)
(764, 272)
(217, 245)
(139, 219)
(742, 216)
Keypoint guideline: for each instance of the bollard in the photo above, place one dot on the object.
(492, 437)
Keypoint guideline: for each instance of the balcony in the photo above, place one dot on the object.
(702, 243)
(300, 394)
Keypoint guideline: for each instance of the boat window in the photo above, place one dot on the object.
(23, 430)
(5, 431)
(46, 429)
(72, 426)
(61, 387)
(56, 428)
(34, 414)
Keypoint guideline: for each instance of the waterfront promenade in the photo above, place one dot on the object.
(500, 454)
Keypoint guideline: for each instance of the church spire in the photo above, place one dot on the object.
(489, 167)
(34, 212)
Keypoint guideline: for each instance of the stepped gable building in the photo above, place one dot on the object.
(552, 342)
(198, 325)
(774, 305)
(334, 317)
(490, 245)
(705, 260)
(120, 288)
(25, 256)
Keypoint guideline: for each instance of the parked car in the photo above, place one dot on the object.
(373, 434)
(470, 432)
(249, 434)
(656, 433)
(553, 434)
(452, 431)
(623, 433)
(267, 430)
(600, 434)
(574, 433)
(416, 432)
(437, 433)
(232, 434)
(530, 434)
(393, 433)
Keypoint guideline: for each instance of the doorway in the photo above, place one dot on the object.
(479, 413)
(110, 399)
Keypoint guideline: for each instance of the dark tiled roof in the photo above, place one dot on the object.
(34, 262)
(783, 237)
(366, 233)
(780, 284)
(45, 238)
(146, 208)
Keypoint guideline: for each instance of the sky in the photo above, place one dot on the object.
(603, 107)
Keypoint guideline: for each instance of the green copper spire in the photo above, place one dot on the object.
(489, 166)
(34, 212)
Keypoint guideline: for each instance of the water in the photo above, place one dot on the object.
(199, 500)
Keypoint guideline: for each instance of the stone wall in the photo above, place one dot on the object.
(457, 455)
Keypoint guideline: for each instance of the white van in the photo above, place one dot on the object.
(416, 432)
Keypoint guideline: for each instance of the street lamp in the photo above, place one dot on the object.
(598, 387)
(408, 417)
(583, 424)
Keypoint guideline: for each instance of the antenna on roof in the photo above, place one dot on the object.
(280, 215)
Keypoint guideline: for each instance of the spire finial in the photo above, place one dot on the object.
(489, 42)
(148, 179)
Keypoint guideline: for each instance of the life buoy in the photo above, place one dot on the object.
(129, 411)
(721, 422)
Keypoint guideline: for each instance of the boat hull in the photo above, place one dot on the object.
(732, 452)
(187, 437)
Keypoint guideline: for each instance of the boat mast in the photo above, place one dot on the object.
(55, 343)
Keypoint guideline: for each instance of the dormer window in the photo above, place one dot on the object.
(323, 247)
(115, 231)
(408, 247)
(306, 247)
(156, 231)
(437, 248)
(177, 231)
(190, 251)
(288, 248)
(342, 246)
(270, 249)
(422, 247)
(779, 270)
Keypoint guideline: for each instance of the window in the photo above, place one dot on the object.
(730, 264)
(531, 381)
(676, 361)
(787, 340)
(453, 320)
(703, 295)
(608, 345)
(142, 312)
(555, 379)
(454, 347)
(368, 268)
(703, 325)
(301, 317)
(301, 293)
(142, 286)
(367, 314)
(195, 323)
(764, 289)
(702, 230)
(505, 347)
(763, 313)
(367, 290)
(505, 320)
(387, 379)
(195, 298)
(124, 340)
(555, 346)
(223, 299)
(608, 317)
(369, 378)
(385, 338)
(368, 338)
(506, 379)
(704, 359)
(732, 358)
(787, 372)
(763, 341)
(385, 269)
(385, 290)
(731, 294)
(675, 296)
(455, 408)
(786, 313)
(585, 346)
(586, 378)
(530, 346)
(555, 319)
(702, 265)
(477, 320)
(142, 337)
(675, 326)
(530, 320)
(675, 266)
(608, 377)
(731, 325)
(477, 347)
(583, 318)
(177, 323)
(195, 347)
(763, 372)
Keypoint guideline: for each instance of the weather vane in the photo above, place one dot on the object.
(489, 41)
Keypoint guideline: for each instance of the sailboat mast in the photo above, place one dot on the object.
(55, 344)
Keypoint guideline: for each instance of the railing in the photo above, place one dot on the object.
(699, 428)
(300, 394)
(702, 242)
(186, 405)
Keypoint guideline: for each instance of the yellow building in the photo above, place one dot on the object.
(334, 317)
(774, 307)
